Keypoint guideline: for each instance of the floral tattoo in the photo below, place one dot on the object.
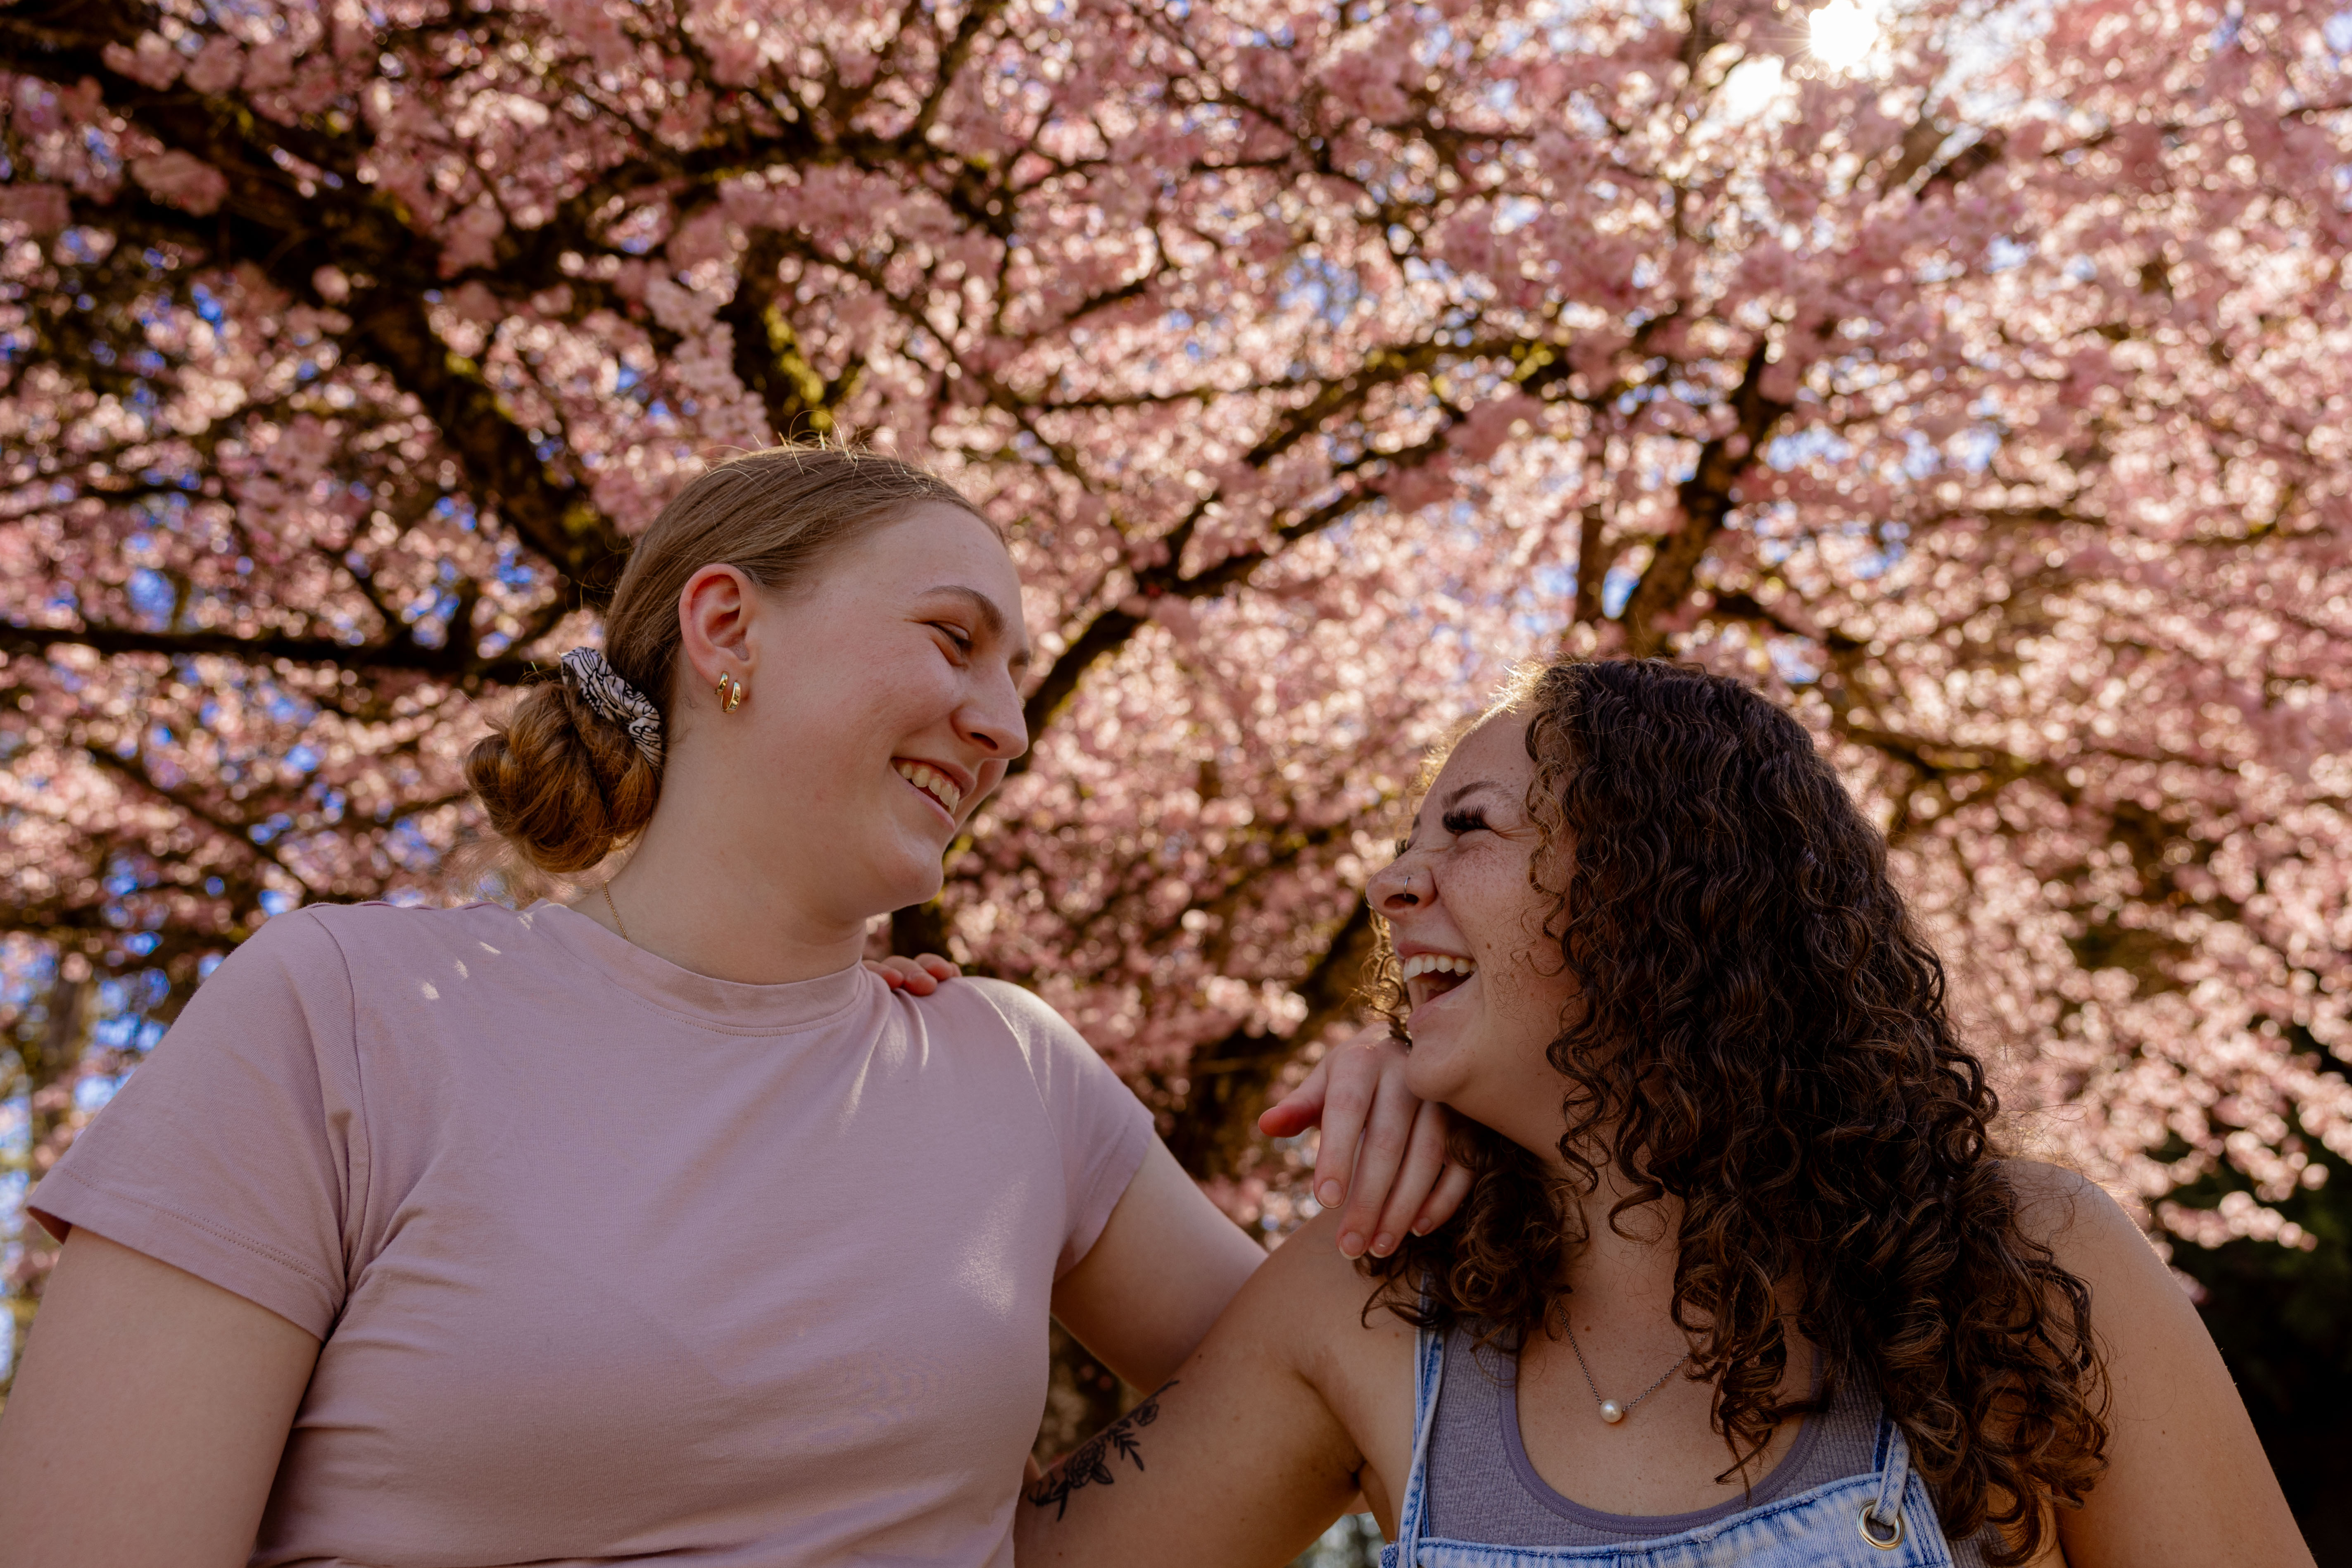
(1091, 1461)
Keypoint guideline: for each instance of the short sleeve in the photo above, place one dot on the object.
(1103, 1129)
(234, 1152)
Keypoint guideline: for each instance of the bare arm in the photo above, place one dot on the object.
(2187, 1480)
(1252, 1450)
(1168, 1261)
(147, 1419)
(1163, 1269)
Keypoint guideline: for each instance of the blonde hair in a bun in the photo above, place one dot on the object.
(564, 784)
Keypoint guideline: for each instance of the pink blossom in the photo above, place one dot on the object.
(1318, 381)
(595, 28)
(271, 65)
(149, 60)
(702, 237)
(217, 65)
(181, 179)
(472, 239)
(42, 210)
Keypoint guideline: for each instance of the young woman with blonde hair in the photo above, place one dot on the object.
(652, 1227)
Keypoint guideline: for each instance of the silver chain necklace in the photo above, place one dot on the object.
(1610, 1411)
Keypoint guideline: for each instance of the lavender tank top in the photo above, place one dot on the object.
(1482, 1487)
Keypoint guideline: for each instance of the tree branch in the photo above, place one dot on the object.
(1591, 571)
(294, 235)
(448, 662)
(768, 358)
(1707, 499)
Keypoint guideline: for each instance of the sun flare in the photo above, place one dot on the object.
(1842, 33)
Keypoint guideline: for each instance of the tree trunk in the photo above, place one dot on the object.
(1228, 1079)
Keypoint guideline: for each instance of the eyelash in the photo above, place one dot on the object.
(956, 635)
(1455, 823)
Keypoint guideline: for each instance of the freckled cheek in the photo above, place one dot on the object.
(1495, 909)
(1522, 984)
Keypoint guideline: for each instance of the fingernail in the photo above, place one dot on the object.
(1351, 1245)
(1383, 1244)
(1328, 1194)
(1422, 1227)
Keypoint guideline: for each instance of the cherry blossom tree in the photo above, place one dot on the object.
(1971, 376)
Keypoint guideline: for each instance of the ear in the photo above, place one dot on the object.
(715, 612)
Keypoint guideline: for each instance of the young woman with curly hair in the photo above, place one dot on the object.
(1741, 1279)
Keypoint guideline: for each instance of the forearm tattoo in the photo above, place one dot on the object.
(1091, 1461)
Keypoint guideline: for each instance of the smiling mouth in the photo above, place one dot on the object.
(1429, 976)
(942, 789)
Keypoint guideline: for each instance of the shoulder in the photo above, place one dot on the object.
(2185, 1479)
(297, 949)
(975, 1011)
(1043, 1036)
(1301, 1307)
(1309, 1260)
(2055, 1205)
(1316, 1312)
(320, 959)
(371, 935)
(429, 922)
(337, 956)
(1307, 1281)
(2087, 1231)
(362, 925)
(1021, 1010)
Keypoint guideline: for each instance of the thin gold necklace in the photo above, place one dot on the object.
(618, 923)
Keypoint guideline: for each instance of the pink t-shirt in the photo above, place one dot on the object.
(612, 1261)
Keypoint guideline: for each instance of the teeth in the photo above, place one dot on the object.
(941, 788)
(1422, 963)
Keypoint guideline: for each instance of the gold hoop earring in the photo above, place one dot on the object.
(730, 692)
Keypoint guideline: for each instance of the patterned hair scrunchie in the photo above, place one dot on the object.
(602, 686)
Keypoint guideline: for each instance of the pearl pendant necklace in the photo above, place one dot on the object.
(1611, 1410)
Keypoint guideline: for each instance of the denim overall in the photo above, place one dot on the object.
(1882, 1520)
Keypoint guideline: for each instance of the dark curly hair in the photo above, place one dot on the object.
(1761, 1034)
